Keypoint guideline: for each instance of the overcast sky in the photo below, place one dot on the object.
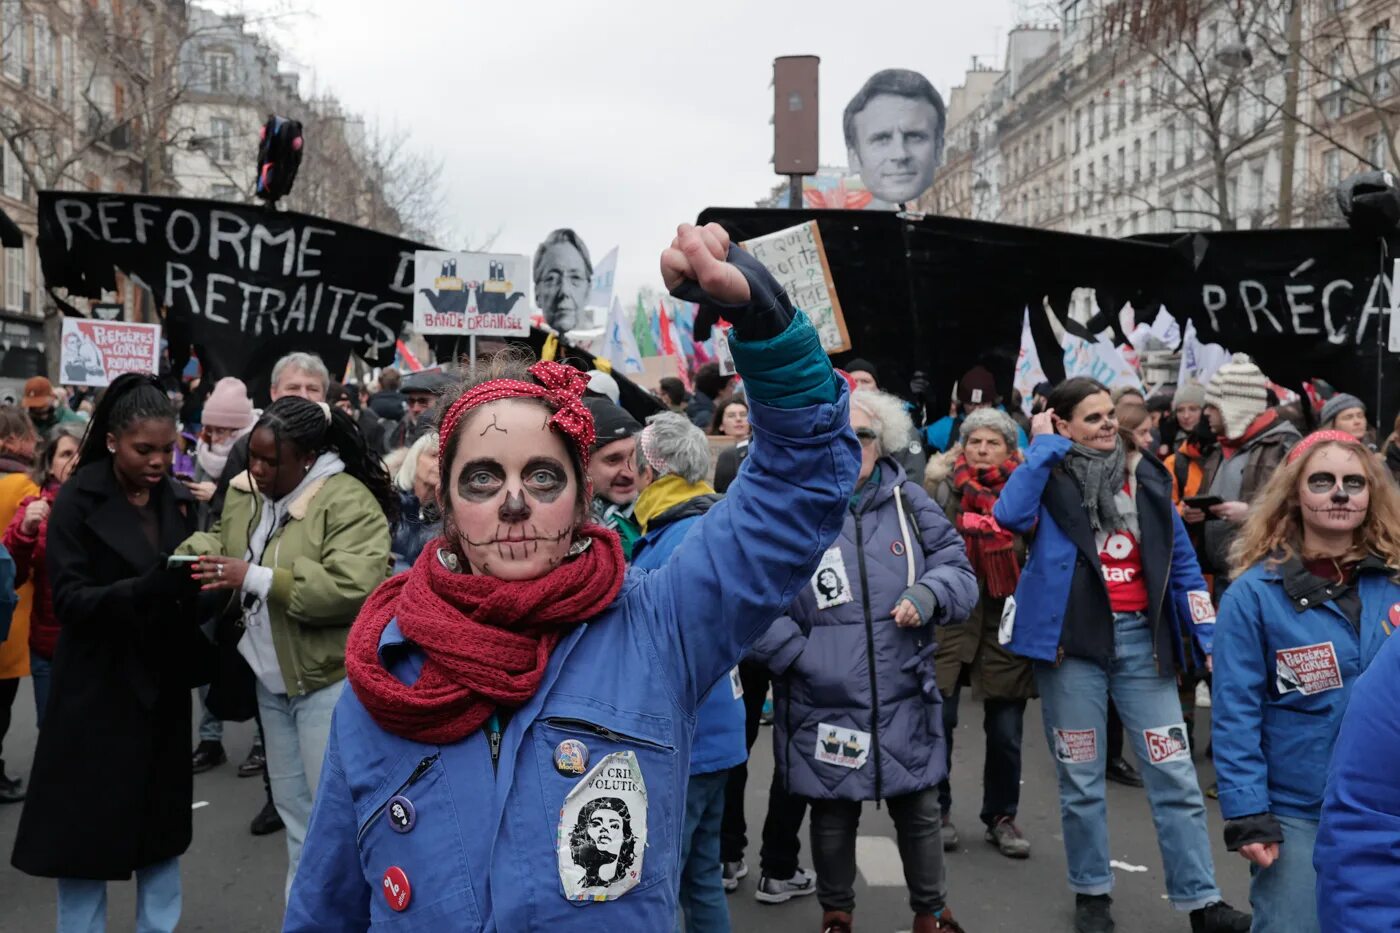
(620, 118)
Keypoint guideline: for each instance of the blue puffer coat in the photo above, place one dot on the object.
(857, 715)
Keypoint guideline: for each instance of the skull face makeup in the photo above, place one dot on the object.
(1333, 494)
(512, 491)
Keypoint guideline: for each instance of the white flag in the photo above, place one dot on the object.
(600, 294)
(1165, 329)
(1199, 361)
(1029, 372)
(619, 343)
(1099, 359)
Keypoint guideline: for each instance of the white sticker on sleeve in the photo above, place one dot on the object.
(1307, 669)
(842, 745)
(736, 686)
(603, 831)
(1167, 743)
(830, 583)
(1076, 746)
(1202, 609)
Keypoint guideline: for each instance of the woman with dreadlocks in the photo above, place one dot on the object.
(519, 682)
(302, 541)
(111, 789)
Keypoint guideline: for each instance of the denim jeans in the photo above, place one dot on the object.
(918, 828)
(41, 669)
(702, 876)
(1075, 704)
(295, 733)
(1284, 895)
(781, 844)
(82, 902)
(1001, 772)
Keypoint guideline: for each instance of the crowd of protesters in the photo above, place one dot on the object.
(546, 606)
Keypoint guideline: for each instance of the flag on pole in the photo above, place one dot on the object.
(601, 293)
(641, 330)
(619, 343)
(1199, 361)
(1166, 329)
(1029, 372)
(1099, 359)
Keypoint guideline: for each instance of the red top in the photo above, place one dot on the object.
(1121, 558)
(28, 553)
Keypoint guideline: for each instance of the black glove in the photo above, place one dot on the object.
(766, 315)
(1249, 830)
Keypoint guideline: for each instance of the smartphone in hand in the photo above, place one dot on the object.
(181, 562)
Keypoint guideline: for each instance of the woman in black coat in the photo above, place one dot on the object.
(111, 786)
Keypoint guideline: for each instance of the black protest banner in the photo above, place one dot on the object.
(1303, 303)
(243, 285)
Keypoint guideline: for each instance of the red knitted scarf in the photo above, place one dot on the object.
(990, 548)
(486, 641)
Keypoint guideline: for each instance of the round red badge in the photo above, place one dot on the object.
(396, 889)
(897, 549)
(1395, 616)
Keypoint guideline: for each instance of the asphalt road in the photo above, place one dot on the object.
(233, 880)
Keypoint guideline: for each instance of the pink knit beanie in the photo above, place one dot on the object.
(228, 405)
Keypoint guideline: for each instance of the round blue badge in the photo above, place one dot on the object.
(897, 549)
(400, 814)
(571, 757)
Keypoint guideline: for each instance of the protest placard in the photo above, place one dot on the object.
(96, 352)
(797, 260)
(480, 294)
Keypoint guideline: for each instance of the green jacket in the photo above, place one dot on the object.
(326, 560)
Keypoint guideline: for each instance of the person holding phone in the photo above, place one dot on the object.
(111, 789)
(1312, 603)
(302, 541)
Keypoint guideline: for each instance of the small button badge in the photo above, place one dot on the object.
(396, 889)
(571, 757)
(400, 814)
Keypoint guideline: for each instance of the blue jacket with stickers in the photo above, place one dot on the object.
(523, 845)
(1286, 657)
(1356, 856)
(1062, 583)
(719, 722)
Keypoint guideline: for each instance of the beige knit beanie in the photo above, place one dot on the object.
(1241, 392)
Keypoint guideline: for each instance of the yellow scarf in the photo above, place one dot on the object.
(670, 490)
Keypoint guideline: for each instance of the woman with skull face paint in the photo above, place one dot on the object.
(302, 541)
(1314, 600)
(518, 674)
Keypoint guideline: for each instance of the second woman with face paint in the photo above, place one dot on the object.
(302, 541)
(1313, 603)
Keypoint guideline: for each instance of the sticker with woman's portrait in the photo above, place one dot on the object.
(830, 583)
(603, 831)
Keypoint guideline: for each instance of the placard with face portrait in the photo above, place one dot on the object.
(894, 128)
(603, 831)
(563, 276)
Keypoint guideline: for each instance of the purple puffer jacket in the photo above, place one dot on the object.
(857, 715)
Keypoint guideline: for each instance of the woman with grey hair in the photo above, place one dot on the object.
(867, 619)
(563, 275)
(970, 653)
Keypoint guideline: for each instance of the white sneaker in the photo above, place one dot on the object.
(733, 871)
(778, 890)
(1203, 695)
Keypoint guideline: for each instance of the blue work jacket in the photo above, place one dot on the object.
(488, 841)
(1040, 497)
(1356, 855)
(1284, 669)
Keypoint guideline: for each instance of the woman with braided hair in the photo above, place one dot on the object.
(112, 788)
(519, 673)
(302, 541)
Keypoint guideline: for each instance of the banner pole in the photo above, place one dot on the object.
(471, 351)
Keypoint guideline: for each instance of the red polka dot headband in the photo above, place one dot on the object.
(560, 387)
(1329, 436)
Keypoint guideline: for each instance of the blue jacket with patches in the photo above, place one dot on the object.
(1276, 708)
(1356, 855)
(1063, 574)
(481, 855)
(719, 722)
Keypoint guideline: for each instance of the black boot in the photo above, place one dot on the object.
(267, 821)
(208, 755)
(1219, 917)
(11, 789)
(1121, 772)
(1091, 913)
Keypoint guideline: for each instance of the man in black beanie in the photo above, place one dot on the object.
(611, 472)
